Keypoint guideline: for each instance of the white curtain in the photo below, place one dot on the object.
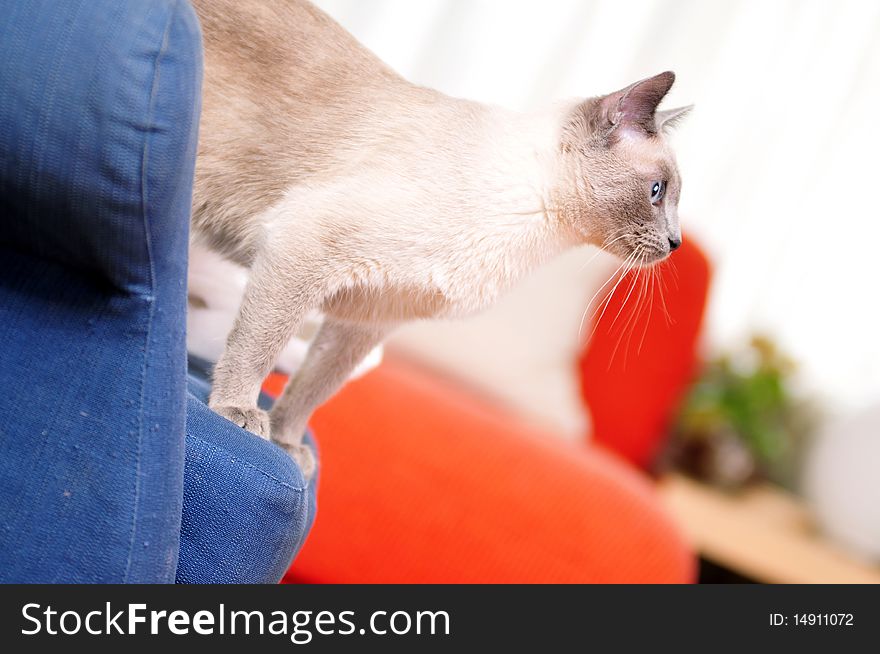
(779, 159)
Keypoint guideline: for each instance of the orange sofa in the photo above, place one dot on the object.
(422, 481)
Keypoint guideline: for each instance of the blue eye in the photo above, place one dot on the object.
(657, 191)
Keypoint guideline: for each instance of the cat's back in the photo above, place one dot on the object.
(268, 43)
(285, 90)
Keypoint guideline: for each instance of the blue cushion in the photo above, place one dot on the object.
(98, 122)
(246, 509)
(99, 105)
(237, 486)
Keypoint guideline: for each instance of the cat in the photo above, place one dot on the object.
(345, 188)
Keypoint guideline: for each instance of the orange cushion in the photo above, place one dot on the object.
(643, 354)
(422, 483)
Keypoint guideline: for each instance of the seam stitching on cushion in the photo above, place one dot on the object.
(146, 220)
(247, 464)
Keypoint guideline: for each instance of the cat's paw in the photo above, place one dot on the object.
(252, 419)
(304, 457)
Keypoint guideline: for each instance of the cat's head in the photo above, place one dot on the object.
(620, 185)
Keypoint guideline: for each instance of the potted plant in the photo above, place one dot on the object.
(741, 420)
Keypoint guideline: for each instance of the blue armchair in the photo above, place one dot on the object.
(112, 469)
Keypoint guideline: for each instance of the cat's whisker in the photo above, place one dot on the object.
(595, 295)
(634, 316)
(663, 288)
(602, 248)
(622, 231)
(643, 305)
(629, 262)
(635, 279)
(674, 269)
(600, 306)
(654, 276)
(611, 240)
(589, 305)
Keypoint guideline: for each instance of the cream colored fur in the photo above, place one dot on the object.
(346, 189)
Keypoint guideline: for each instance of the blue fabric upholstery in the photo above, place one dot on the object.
(109, 472)
(219, 522)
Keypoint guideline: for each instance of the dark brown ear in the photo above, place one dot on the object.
(633, 108)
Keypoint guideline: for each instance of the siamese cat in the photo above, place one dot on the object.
(345, 188)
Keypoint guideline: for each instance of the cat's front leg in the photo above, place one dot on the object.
(281, 290)
(337, 349)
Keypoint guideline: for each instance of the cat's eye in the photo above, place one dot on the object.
(657, 191)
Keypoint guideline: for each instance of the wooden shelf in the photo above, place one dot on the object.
(762, 532)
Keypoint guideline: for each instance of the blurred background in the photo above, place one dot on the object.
(780, 175)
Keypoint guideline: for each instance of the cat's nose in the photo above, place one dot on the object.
(674, 243)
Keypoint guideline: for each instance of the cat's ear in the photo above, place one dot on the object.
(632, 109)
(668, 119)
